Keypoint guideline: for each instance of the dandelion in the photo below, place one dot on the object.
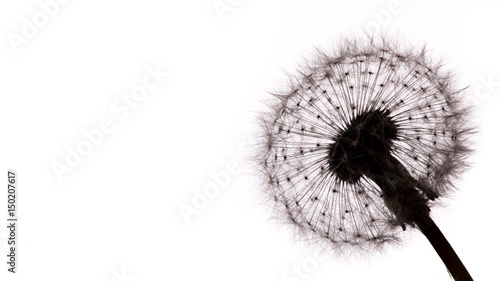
(362, 143)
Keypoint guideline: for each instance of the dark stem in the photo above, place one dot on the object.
(407, 199)
(444, 250)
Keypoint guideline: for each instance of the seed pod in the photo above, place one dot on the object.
(354, 129)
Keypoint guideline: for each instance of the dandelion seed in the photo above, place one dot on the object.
(364, 159)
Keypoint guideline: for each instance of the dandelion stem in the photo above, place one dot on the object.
(409, 205)
(444, 250)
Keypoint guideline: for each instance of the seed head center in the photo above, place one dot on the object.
(358, 148)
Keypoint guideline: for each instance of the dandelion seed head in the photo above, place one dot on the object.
(346, 110)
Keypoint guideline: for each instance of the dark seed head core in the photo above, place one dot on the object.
(362, 145)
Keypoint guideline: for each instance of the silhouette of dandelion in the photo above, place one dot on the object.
(362, 143)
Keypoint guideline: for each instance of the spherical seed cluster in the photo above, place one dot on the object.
(397, 100)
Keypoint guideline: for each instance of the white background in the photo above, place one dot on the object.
(116, 215)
